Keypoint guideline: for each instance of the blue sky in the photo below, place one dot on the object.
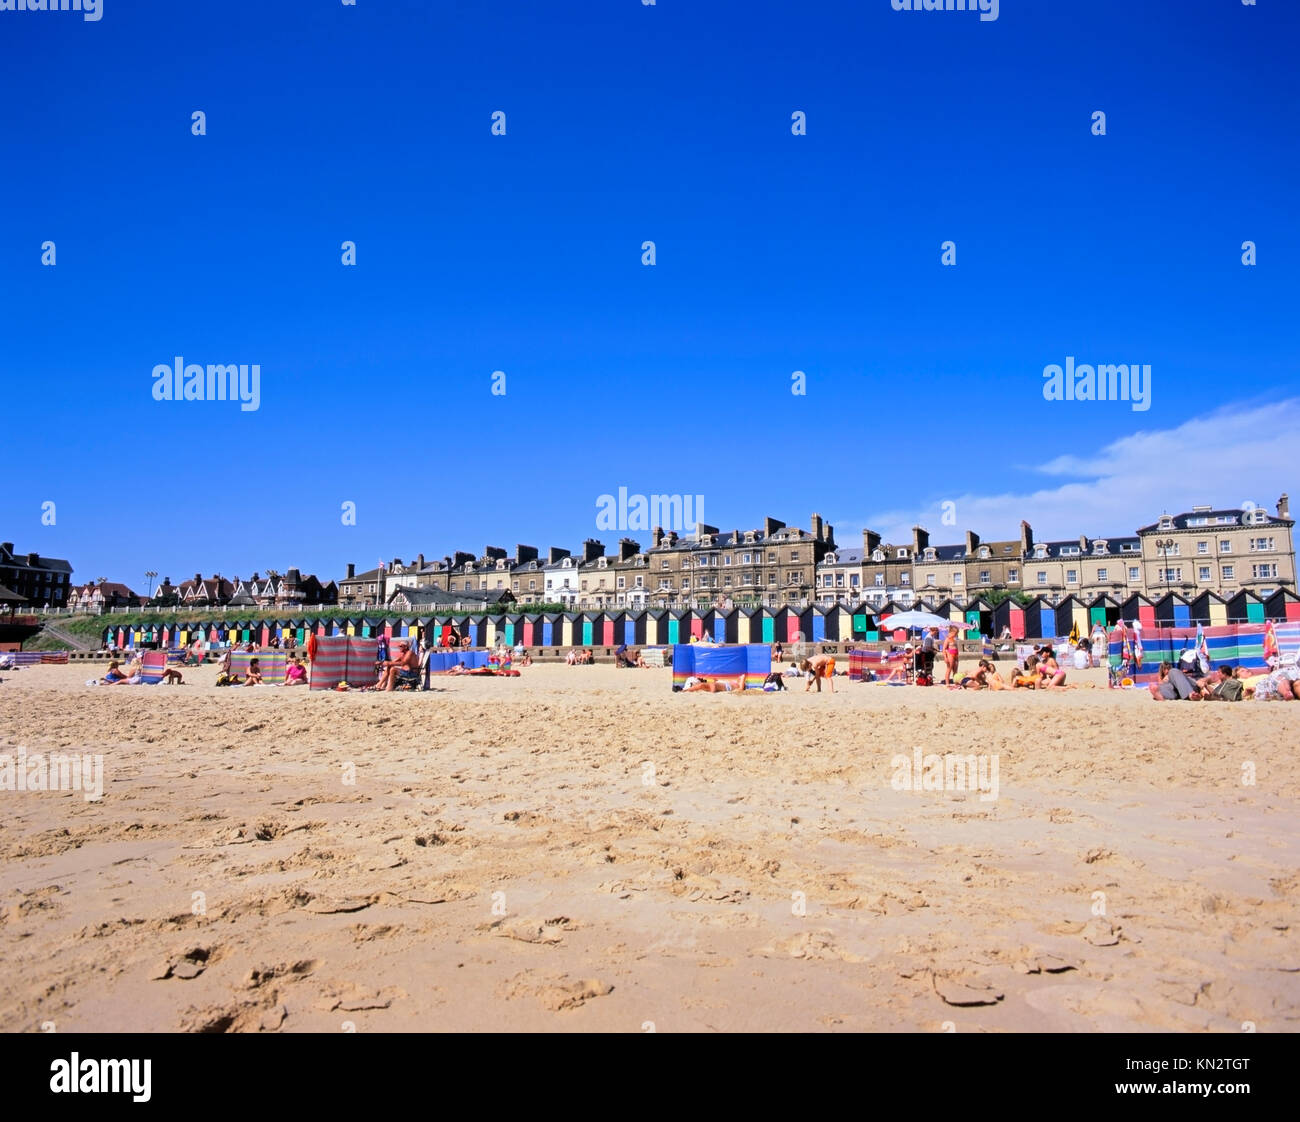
(522, 253)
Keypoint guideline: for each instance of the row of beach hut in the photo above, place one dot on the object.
(1037, 619)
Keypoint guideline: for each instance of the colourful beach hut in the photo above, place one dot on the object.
(1138, 608)
(1246, 607)
(1210, 609)
(979, 615)
(551, 629)
(1009, 616)
(634, 623)
(655, 629)
(1070, 612)
(1172, 610)
(1282, 606)
(1046, 619)
(570, 629)
(1104, 610)
(812, 622)
(766, 621)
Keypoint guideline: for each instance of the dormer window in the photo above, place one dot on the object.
(902, 555)
(1166, 523)
(984, 553)
(1099, 547)
(1040, 551)
(878, 555)
(929, 553)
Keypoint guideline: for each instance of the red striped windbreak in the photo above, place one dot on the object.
(340, 658)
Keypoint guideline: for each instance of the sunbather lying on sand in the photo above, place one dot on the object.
(703, 685)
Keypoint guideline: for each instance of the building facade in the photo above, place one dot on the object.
(43, 581)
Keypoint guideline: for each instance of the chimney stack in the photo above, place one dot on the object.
(972, 542)
(556, 554)
(771, 525)
(920, 539)
(627, 549)
(817, 528)
(352, 571)
(657, 537)
(524, 554)
(1026, 537)
(591, 549)
(1284, 506)
(870, 539)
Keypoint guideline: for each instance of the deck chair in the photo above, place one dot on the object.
(152, 665)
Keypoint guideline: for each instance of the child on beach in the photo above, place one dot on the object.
(817, 668)
(254, 676)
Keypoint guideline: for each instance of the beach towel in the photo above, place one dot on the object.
(271, 663)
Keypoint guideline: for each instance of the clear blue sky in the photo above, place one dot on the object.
(522, 253)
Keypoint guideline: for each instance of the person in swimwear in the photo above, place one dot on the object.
(951, 655)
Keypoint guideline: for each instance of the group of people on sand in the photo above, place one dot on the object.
(295, 673)
(132, 674)
(580, 656)
(1041, 672)
(1175, 684)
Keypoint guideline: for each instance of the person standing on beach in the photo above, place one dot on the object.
(951, 655)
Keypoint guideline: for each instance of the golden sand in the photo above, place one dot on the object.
(581, 849)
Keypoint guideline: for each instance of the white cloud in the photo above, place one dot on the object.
(1225, 458)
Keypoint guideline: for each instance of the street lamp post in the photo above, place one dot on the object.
(1164, 547)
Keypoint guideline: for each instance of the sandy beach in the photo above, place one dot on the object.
(580, 849)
